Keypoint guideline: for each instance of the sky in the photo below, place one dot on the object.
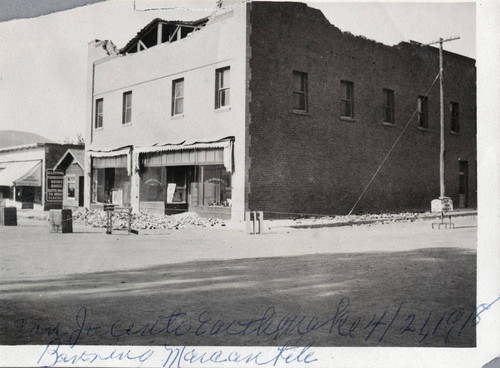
(44, 72)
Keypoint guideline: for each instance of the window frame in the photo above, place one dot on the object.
(455, 117)
(302, 92)
(221, 87)
(423, 112)
(175, 98)
(347, 98)
(68, 182)
(388, 106)
(99, 115)
(127, 108)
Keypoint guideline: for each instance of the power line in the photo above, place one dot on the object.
(392, 148)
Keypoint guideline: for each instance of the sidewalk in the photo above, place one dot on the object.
(30, 250)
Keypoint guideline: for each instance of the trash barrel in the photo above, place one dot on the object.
(66, 221)
(9, 216)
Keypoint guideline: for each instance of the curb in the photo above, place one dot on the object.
(380, 220)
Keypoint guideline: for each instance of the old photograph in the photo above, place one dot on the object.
(247, 183)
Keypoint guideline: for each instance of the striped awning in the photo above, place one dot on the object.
(118, 158)
(23, 173)
(196, 153)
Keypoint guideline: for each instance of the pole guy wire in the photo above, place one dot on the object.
(392, 148)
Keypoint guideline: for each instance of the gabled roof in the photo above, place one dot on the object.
(144, 31)
(77, 155)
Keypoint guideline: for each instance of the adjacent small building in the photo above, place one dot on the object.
(266, 106)
(71, 165)
(30, 175)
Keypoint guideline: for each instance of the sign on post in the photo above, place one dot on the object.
(443, 204)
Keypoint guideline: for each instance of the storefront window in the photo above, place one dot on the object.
(152, 187)
(111, 185)
(28, 194)
(187, 186)
(6, 192)
(98, 194)
(121, 187)
(216, 186)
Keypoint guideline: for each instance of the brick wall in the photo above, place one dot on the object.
(317, 162)
(54, 152)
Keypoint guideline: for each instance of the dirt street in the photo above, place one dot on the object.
(397, 284)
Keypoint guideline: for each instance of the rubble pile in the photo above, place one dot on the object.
(141, 221)
(382, 218)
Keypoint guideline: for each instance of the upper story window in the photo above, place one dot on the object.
(99, 113)
(347, 99)
(455, 123)
(178, 97)
(388, 106)
(299, 91)
(222, 87)
(423, 112)
(127, 108)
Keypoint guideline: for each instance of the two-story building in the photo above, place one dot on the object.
(267, 106)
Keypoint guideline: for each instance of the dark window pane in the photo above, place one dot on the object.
(345, 108)
(297, 82)
(299, 101)
(299, 85)
(387, 114)
(455, 124)
(347, 102)
(388, 106)
(422, 112)
(71, 187)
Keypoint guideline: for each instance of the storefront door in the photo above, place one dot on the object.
(463, 185)
(80, 191)
(177, 189)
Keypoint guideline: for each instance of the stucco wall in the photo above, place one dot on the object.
(149, 75)
(37, 153)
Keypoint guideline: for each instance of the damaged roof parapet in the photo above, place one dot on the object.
(108, 46)
(161, 31)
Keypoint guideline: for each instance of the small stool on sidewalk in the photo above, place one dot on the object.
(447, 224)
(443, 205)
(110, 209)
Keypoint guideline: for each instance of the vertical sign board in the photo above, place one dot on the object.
(170, 192)
(54, 188)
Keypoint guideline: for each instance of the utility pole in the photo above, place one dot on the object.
(441, 114)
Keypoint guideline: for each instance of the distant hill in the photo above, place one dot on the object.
(9, 138)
